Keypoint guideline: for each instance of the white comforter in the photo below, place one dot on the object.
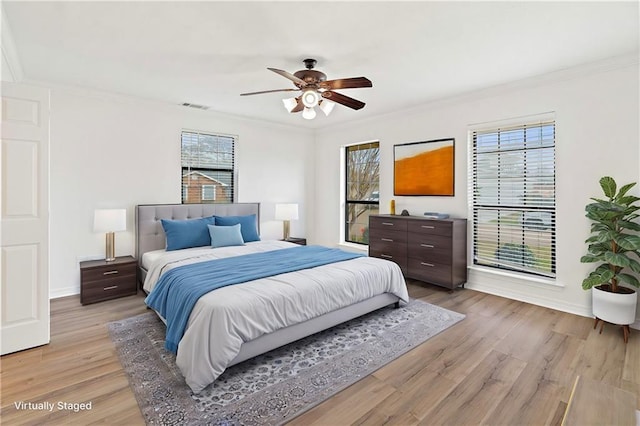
(225, 318)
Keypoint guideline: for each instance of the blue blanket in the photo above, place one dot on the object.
(178, 290)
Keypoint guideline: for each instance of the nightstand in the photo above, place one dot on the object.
(300, 241)
(101, 280)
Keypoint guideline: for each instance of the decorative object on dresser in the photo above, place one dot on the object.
(110, 221)
(435, 215)
(286, 213)
(430, 250)
(101, 280)
(424, 168)
(295, 240)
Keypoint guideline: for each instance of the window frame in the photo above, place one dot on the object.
(213, 188)
(347, 201)
(233, 170)
(536, 209)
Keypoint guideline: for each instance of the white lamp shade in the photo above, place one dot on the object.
(286, 211)
(309, 113)
(327, 106)
(110, 220)
(290, 103)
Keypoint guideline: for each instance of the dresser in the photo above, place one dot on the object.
(101, 280)
(429, 250)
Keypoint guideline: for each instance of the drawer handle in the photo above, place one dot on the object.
(386, 256)
(110, 288)
(387, 223)
(109, 272)
(427, 226)
(386, 239)
(426, 264)
(426, 245)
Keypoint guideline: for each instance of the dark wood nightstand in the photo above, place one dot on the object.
(300, 241)
(101, 280)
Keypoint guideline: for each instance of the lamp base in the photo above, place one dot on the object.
(110, 247)
(286, 228)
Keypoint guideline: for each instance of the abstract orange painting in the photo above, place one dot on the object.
(424, 168)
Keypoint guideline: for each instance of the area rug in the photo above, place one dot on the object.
(278, 386)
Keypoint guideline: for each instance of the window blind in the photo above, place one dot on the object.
(208, 163)
(513, 198)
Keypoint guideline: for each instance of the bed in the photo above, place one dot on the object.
(237, 322)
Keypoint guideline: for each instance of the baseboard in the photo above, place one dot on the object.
(583, 311)
(580, 310)
(64, 292)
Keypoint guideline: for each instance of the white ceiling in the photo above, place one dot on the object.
(210, 52)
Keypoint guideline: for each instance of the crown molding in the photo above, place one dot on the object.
(125, 99)
(579, 71)
(9, 51)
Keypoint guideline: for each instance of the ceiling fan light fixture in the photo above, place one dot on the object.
(327, 106)
(310, 98)
(309, 113)
(290, 103)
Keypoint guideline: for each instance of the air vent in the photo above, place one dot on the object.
(196, 106)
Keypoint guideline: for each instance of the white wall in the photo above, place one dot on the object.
(597, 124)
(115, 152)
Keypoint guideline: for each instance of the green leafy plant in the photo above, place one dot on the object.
(614, 242)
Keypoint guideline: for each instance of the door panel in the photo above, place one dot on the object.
(24, 219)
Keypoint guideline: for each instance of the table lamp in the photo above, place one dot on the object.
(286, 213)
(110, 221)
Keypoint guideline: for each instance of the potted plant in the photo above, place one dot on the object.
(615, 245)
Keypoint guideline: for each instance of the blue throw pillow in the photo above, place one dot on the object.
(223, 236)
(188, 233)
(248, 225)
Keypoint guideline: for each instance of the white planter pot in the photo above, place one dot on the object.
(615, 308)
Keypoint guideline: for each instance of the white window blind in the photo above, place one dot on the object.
(208, 160)
(513, 198)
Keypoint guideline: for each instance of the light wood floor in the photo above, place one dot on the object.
(507, 363)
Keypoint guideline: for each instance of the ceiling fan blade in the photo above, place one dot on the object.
(343, 100)
(269, 91)
(346, 83)
(298, 107)
(290, 76)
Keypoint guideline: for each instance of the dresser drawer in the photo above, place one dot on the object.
(436, 227)
(430, 248)
(96, 291)
(108, 272)
(388, 223)
(430, 272)
(388, 250)
(395, 256)
(387, 236)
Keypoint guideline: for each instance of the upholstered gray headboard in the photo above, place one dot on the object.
(150, 234)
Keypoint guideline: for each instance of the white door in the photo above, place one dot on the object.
(24, 217)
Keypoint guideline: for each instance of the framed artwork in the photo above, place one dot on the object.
(424, 168)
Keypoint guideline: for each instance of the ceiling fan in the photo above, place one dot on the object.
(317, 90)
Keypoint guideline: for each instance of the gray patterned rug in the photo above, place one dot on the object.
(278, 386)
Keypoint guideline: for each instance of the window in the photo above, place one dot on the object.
(208, 166)
(362, 170)
(513, 198)
(208, 192)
